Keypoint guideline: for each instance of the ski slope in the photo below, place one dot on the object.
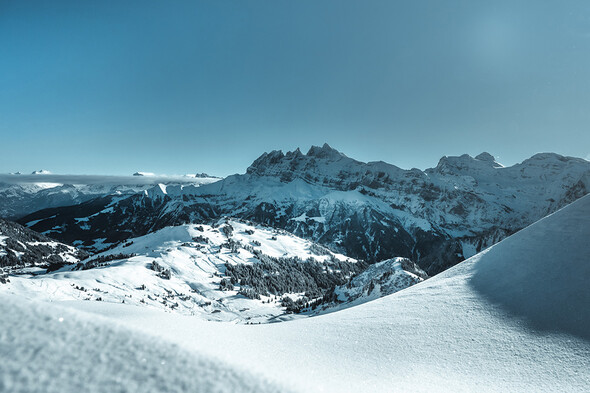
(515, 317)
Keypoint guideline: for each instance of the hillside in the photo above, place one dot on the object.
(23, 250)
(515, 317)
(229, 271)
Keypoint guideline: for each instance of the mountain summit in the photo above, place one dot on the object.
(321, 165)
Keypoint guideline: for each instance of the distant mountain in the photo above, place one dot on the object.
(372, 211)
(41, 172)
(23, 194)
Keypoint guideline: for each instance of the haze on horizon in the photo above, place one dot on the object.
(185, 87)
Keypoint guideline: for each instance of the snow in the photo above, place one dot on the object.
(46, 185)
(31, 223)
(378, 280)
(515, 317)
(468, 249)
(41, 172)
(196, 258)
(48, 349)
(281, 242)
(303, 218)
(51, 244)
(3, 244)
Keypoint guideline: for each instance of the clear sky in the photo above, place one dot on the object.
(113, 87)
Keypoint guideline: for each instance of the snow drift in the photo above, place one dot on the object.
(48, 349)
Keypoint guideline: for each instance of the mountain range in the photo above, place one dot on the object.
(157, 271)
(22, 194)
(368, 211)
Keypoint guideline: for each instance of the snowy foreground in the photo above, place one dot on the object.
(514, 318)
(53, 350)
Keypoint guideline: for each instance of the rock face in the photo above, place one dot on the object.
(21, 247)
(378, 280)
(372, 211)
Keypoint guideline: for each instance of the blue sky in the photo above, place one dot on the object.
(207, 86)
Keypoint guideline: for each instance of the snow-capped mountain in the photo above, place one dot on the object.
(372, 211)
(20, 195)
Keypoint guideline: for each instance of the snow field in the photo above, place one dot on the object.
(49, 349)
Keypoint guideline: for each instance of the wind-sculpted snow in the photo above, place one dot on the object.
(49, 349)
(545, 284)
(511, 319)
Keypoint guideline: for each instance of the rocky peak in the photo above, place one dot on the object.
(277, 162)
(488, 158)
(485, 156)
(326, 166)
(552, 158)
(294, 154)
(465, 164)
(449, 164)
(324, 152)
(266, 160)
(156, 192)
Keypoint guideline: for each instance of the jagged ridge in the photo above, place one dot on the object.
(371, 211)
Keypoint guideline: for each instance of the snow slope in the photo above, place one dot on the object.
(196, 257)
(515, 317)
(52, 350)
